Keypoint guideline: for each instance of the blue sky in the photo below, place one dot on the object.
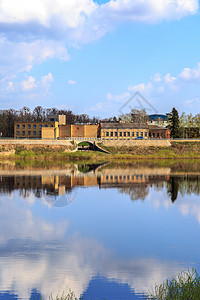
(91, 57)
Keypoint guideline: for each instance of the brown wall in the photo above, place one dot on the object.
(91, 131)
(77, 130)
(65, 131)
(159, 133)
(50, 132)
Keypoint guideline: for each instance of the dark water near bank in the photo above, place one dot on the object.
(105, 232)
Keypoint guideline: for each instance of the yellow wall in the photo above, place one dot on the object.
(50, 132)
(31, 129)
(129, 133)
(78, 130)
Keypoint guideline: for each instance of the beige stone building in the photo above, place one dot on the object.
(79, 130)
(56, 127)
(48, 129)
(32, 129)
(125, 131)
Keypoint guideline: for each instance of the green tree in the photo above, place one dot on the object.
(197, 123)
(183, 124)
(190, 124)
(174, 123)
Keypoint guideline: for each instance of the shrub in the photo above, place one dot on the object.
(186, 286)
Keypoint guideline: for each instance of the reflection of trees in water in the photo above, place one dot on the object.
(172, 188)
(189, 185)
(185, 185)
(6, 184)
(136, 192)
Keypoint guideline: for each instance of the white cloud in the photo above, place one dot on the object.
(191, 74)
(46, 82)
(34, 88)
(35, 31)
(164, 91)
(29, 84)
(140, 87)
(75, 263)
(85, 20)
(18, 57)
(10, 86)
(118, 98)
(71, 82)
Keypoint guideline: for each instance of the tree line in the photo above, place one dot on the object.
(185, 126)
(38, 114)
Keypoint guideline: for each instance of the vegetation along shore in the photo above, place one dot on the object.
(176, 150)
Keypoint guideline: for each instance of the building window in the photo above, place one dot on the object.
(133, 133)
(40, 132)
(111, 134)
(23, 132)
(153, 134)
(34, 132)
(23, 126)
(29, 133)
(116, 133)
(29, 126)
(107, 133)
(120, 134)
(141, 133)
(124, 133)
(145, 133)
(34, 126)
(40, 125)
(47, 126)
(128, 133)
(137, 133)
(158, 134)
(52, 125)
(17, 132)
(17, 126)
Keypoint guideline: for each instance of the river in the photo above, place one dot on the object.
(108, 231)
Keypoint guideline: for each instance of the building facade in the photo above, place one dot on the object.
(56, 128)
(126, 131)
(79, 130)
(158, 119)
(159, 132)
(31, 129)
(46, 129)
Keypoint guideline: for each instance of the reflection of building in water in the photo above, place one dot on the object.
(108, 178)
(134, 182)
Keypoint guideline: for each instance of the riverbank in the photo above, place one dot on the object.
(60, 151)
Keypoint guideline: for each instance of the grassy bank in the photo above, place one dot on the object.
(185, 286)
(183, 150)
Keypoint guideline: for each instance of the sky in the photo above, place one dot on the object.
(94, 56)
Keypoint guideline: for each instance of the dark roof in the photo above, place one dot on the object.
(156, 127)
(124, 126)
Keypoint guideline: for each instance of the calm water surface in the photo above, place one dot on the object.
(105, 232)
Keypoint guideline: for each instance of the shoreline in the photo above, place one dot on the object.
(49, 152)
